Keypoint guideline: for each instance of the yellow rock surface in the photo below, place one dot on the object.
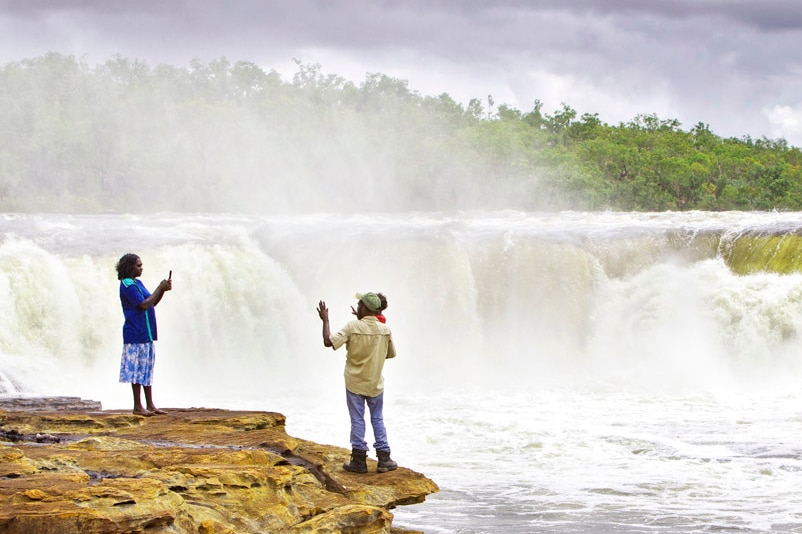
(203, 471)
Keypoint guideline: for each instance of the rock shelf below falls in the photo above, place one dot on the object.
(68, 467)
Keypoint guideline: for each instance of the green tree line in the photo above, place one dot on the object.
(220, 136)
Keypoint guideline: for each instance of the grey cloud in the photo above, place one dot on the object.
(766, 15)
(718, 61)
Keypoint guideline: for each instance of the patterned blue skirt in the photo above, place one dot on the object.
(136, 365)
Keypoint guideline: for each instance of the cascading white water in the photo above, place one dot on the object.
(556, 372)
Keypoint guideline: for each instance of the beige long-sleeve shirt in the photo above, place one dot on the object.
(369, 343)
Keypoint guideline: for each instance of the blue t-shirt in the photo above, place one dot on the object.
(140, 325)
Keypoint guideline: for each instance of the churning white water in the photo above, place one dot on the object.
(571, 372)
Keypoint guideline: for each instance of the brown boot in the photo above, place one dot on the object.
(358, 463)
(385, 462)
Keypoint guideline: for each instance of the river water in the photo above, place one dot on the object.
(567, 372)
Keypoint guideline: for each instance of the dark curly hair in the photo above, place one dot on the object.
(125, 266)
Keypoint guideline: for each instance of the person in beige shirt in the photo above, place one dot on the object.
(368, 343)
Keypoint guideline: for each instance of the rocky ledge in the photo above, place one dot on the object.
(72, 469)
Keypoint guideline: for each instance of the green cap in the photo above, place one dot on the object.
(371, 300)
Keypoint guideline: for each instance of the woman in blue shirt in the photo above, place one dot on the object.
(139, 331)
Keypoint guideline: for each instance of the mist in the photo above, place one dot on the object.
(230, 137)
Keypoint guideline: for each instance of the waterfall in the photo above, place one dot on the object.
(498, 299)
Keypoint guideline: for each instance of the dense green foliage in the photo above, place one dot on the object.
(125, 136)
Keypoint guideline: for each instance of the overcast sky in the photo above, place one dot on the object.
(735, 65)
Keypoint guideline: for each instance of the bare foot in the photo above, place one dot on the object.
(157, 411)
(144, 413)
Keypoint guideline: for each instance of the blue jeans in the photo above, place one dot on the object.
(356, 409)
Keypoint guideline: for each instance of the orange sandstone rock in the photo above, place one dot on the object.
(195, 470)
